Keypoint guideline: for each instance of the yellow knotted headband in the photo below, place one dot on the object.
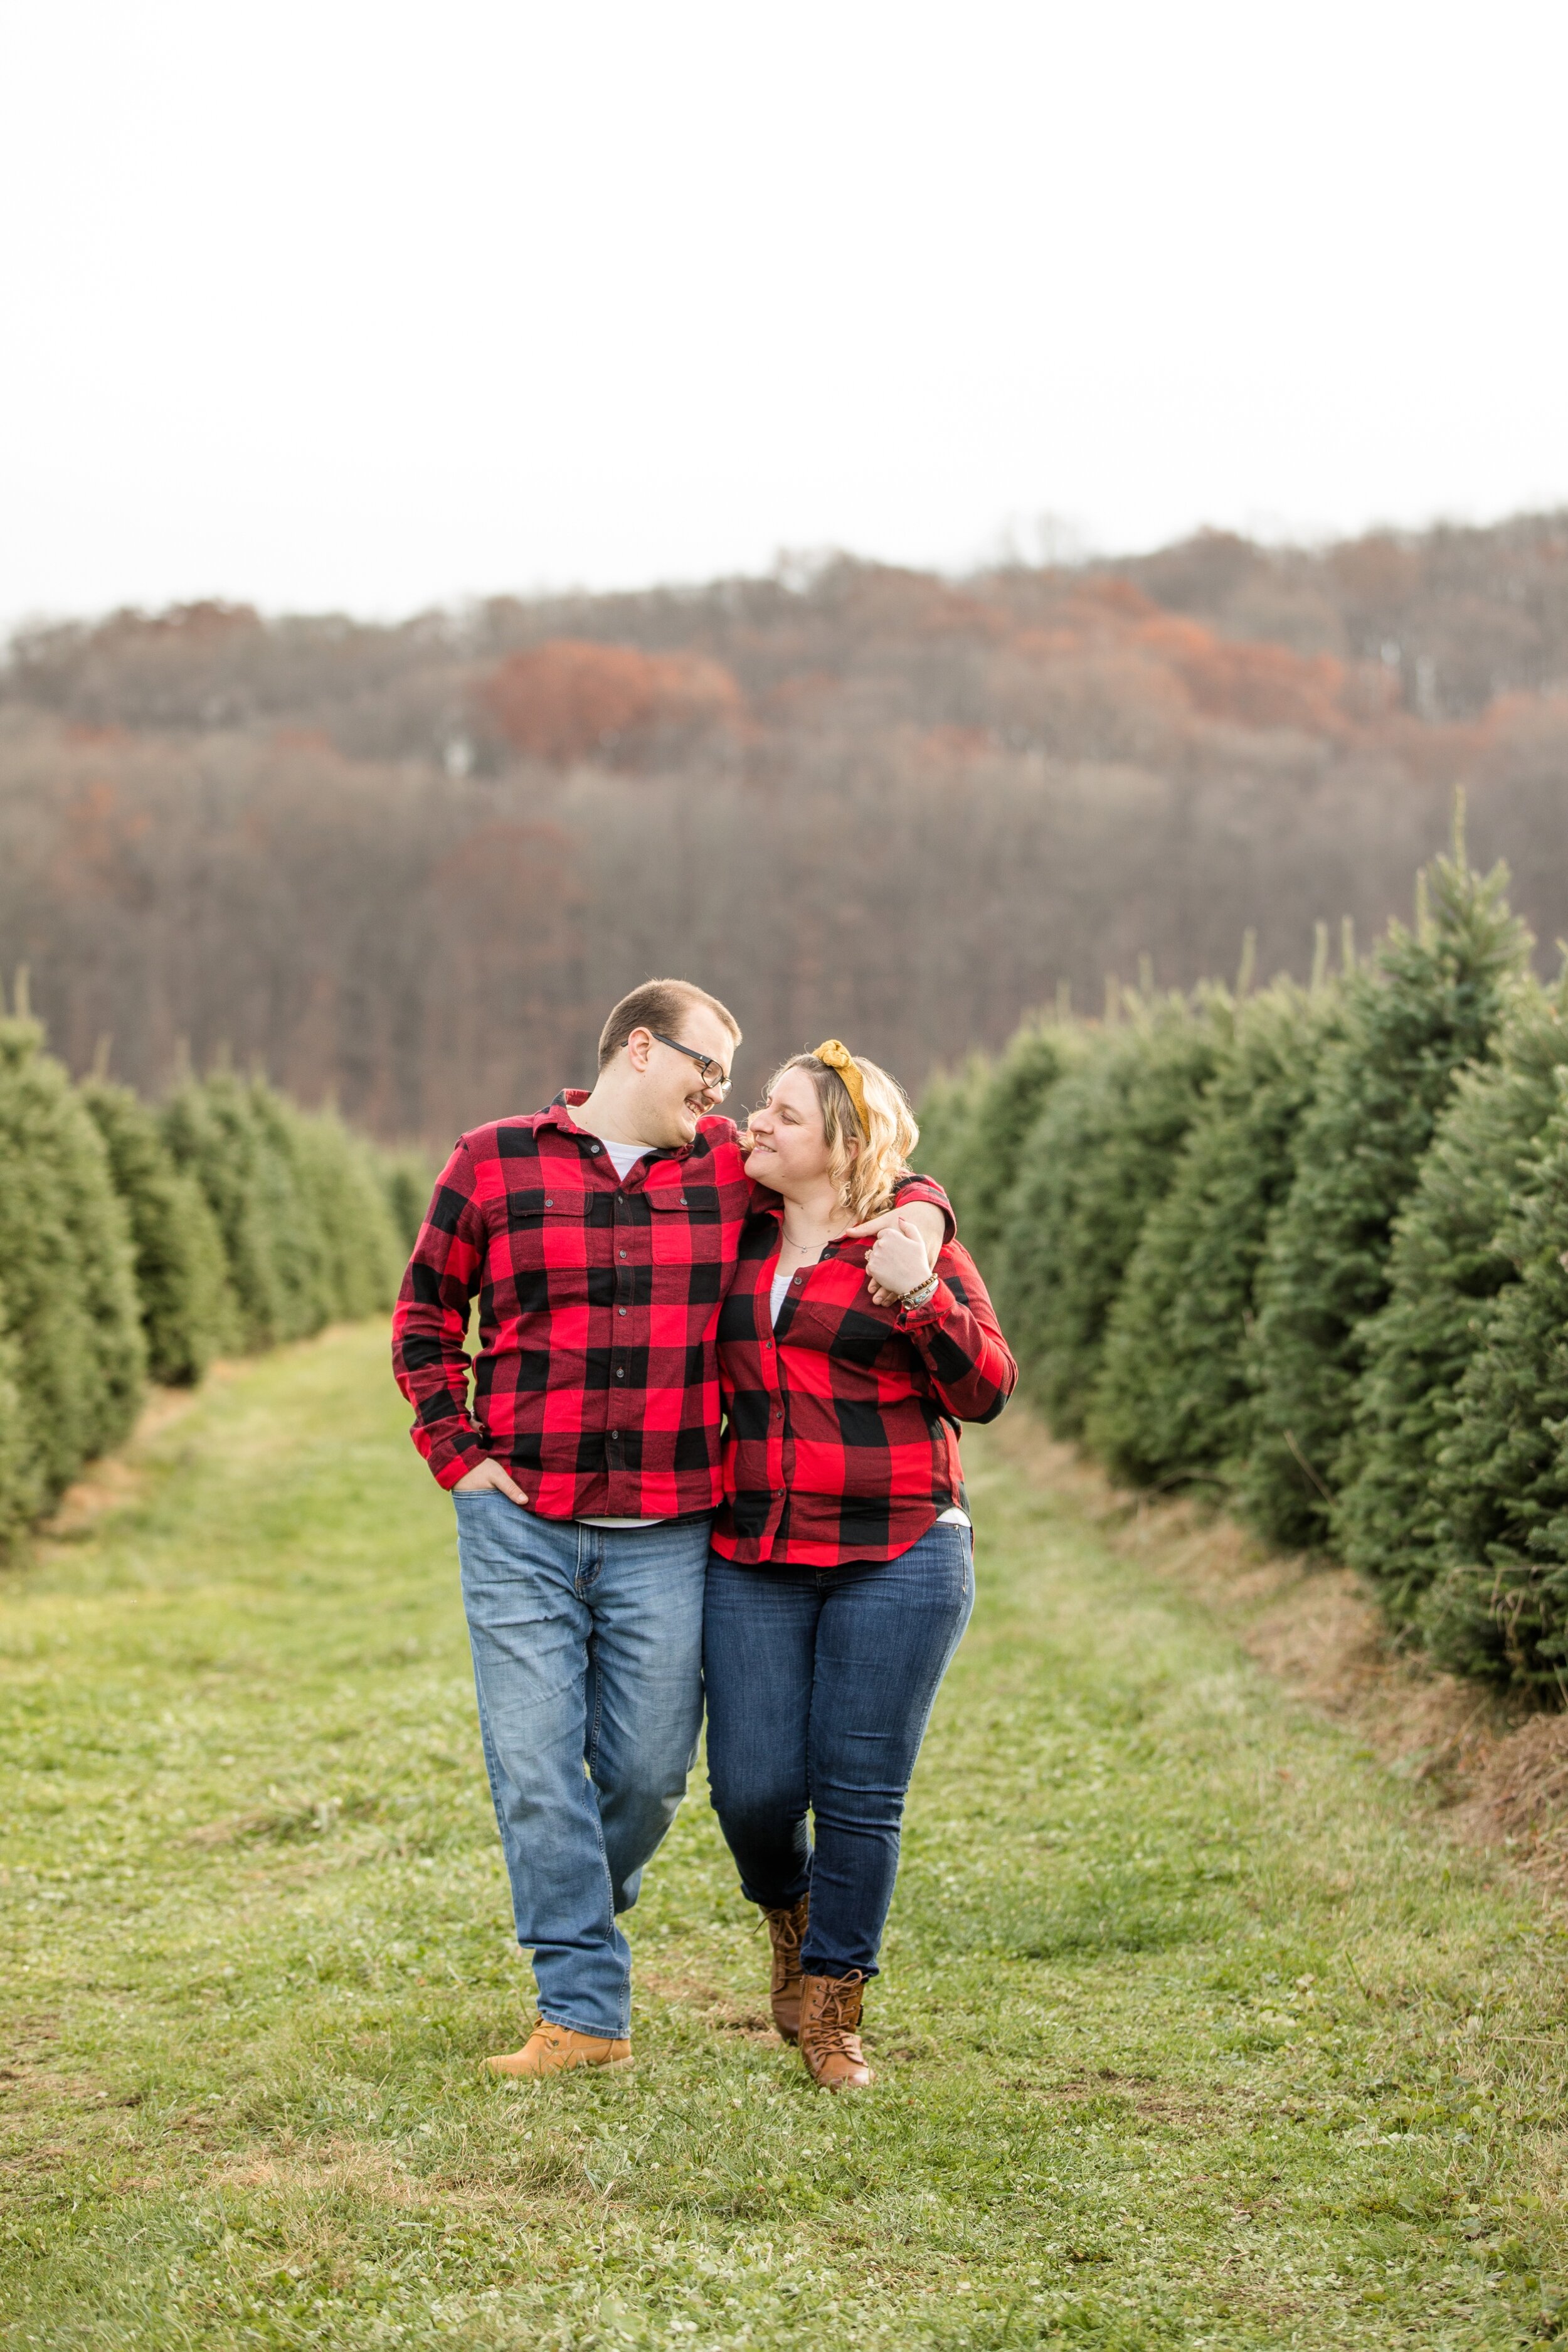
(839, 1057)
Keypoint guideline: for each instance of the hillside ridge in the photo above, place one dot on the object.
(410, 865)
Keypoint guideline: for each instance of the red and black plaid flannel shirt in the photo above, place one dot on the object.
(596, 1383)
(837, 1448)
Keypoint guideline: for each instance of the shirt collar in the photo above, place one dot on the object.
(571, 1099)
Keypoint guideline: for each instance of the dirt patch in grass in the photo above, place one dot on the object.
(1520, 1800)
(345, 2167)
(1497, 1766)
(709, 2003)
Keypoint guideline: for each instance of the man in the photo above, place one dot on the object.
(600, 1236)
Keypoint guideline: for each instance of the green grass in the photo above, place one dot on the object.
(1194, 2028)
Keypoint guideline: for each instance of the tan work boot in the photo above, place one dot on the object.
(786, 1929)
(555, 2049)
(829, 2031)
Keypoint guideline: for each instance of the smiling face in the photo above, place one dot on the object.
(789, 1151)
(671, 1095)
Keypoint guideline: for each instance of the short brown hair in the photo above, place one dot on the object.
(658, 1004)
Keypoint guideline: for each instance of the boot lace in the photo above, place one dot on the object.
(786, 1928)
(834, 2031)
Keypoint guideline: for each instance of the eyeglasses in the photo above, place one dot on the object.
(714, 1076)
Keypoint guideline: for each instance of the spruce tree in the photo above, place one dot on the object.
(1447, 1265)
(947, 1115)
(1005, 1111)
(408, 1180)
(1430, 1002)
(1500, 1605)
(296, 1159)
(18, 1490)
(66, 1260)
(359, 1257)
(1173, 1401)
(974, 1127)
(1101, 1152)
(214, 1130)
(181, 1282)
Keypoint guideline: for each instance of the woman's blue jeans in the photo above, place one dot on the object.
(819, 1685)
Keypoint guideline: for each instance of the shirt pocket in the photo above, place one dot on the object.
(548, 1250)
(684, 1229)
(856, 1335)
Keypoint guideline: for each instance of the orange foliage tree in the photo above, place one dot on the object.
(570, 698)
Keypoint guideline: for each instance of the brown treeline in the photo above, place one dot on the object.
(410, 866)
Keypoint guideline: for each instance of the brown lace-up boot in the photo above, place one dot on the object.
(830, 2035)
(786, 1929)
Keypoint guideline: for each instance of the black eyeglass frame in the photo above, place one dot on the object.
(719, 1086)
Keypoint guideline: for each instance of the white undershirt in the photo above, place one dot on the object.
(623, 1158)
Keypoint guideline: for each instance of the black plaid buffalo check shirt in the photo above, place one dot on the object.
(839, 1445)
(596, 1383)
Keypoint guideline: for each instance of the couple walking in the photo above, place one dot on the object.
(710, 1438)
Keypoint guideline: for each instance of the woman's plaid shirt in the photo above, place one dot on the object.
(839, 1447)
(596, 1382)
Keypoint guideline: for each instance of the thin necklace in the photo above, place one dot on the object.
(791, 1243)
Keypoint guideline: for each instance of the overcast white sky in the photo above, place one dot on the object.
(333, 303)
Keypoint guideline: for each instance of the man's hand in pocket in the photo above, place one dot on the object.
(488, 1476)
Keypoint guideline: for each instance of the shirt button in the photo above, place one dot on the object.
(620, 1376)
(622, 1253)
(548, 1202)
(593, 1148)
(620, 1310)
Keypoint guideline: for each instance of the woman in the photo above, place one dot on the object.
(841, 1578)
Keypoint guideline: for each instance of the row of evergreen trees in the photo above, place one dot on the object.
(1308, 1247)
(136, 1243)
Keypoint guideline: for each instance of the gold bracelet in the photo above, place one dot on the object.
(922, 1291)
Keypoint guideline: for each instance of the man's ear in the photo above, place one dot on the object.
(639, 1046)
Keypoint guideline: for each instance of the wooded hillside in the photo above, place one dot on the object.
(412, 865)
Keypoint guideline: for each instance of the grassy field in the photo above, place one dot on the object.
(1194, 2029)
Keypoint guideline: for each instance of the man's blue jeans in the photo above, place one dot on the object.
(588, 1662)
(819, 1685)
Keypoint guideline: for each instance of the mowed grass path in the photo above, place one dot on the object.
(1194, 2029)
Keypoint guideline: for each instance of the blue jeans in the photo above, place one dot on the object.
(819, 1685)
(588, 1662)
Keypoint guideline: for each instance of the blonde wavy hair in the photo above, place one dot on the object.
(865, 1165)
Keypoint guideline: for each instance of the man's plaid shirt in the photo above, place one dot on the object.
(596, 1383)
(839, 1445)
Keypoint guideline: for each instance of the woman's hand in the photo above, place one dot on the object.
(899, 1260)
